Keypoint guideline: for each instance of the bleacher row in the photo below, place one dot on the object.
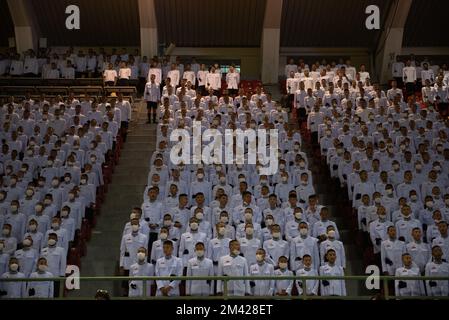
(36, 92)
(56, 179)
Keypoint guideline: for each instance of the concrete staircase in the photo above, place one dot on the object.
(125, 192)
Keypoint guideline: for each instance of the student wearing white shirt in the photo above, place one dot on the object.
(290, 67)
(152, 96)
(232, 80)
(188, 74)
(30, 65)
(110, 76)
(124, 74)
(201, 77)
(68, 72)
(409, 77)
(16, 68)
(427, 74)
(396, 71)
(213, 81)
(174, 75)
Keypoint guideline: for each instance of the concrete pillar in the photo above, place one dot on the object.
(271, 37)
(148, 28)
(25, 26)
(390, 44)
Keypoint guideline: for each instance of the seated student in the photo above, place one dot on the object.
(199, 266)
(310, 286)
(332, 287)
(140, 269)
(408, 287)
(262, 268)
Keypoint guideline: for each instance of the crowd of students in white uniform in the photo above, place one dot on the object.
(117, 67)
(227, 220)
(391, 156)
(50, 172)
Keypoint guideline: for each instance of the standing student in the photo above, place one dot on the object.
(408, 287)
(232, 80)
(332, 287)
(124, 74)
(409, 77)
(234, 265)
(110, 76)
(199, 266)
(152, 96)
(168, 266)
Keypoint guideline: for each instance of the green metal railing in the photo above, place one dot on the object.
(225, 296)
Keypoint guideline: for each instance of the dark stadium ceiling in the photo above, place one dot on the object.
(230, 23)
(103, 22)
(7, 25)
(205, 23)
(329, 23)
(427, 24)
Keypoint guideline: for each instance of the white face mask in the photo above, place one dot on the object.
(303, 231)
(51, 242)
(269, 222)
(42, 267)
(194, 226)
(163, 236)
(32, 227)
(55, 225)
(199, 253)
(429, 204)
(14, 267)
(413, 197)
(298, 215)
(331, 234)
(248, 217)
(141, 256)
(27, 242)
(135, 227)
(282, 166)
(200, 216)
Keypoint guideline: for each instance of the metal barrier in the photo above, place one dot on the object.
(225, 296)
